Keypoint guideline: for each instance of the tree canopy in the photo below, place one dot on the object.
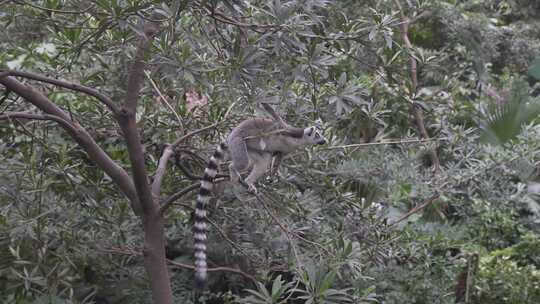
(426, 192)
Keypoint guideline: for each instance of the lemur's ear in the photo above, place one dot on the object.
(308, 131)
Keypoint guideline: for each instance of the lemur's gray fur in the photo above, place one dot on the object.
(251, 145)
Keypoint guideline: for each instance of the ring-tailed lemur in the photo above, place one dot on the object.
(251, 144)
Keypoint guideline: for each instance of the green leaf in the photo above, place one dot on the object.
(534, 69)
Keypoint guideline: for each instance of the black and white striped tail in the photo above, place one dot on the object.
(199, 226)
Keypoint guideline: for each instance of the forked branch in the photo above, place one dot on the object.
(77, 132)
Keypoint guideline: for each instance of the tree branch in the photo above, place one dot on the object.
(127, 119)
(415, 209)
(218, 16)
(171, 199)
(416, 109)
(215, 269)
(160, 171)
(391, 142)
(164, 100)
(167, 202)
(14, 115)
(275, 115)
(190, 134)
(64, 84)
(153, 223)
(180, 265)
(80, 135)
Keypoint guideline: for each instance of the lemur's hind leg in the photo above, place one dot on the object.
(276, 162)
(261, 162)
(239, 158)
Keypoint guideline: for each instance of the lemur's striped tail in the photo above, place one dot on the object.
(199, 226)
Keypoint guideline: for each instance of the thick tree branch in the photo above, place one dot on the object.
(127, 118)
(79, 134)
(65, 84)
(153, 223)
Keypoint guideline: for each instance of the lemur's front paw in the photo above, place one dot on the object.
(252, 189)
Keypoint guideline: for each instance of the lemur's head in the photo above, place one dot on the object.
(314, 136)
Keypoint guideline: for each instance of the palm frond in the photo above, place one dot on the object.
(503, 121)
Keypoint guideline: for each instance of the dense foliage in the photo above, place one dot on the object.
(373, 223)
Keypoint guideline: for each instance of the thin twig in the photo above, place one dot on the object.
(102, 28)
(417, 208)
(223, 234)
(190, 134)
(164, 100)
(275, 115)
(171, 199)
(218, 16)
(296, 235)
(180, 265)
(215, 269)
(405, 141)
(283, 228)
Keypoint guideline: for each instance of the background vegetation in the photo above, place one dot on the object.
(454, 218)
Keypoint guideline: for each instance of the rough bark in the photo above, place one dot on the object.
(153, 223)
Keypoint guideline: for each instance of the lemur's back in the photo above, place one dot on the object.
(253, 127)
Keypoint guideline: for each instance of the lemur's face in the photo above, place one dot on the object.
(314, 136)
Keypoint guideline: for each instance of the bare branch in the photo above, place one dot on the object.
(155, 263)
(128, 123)
(160, 172)
(188, 173)
(65, 84)
(80, 135)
